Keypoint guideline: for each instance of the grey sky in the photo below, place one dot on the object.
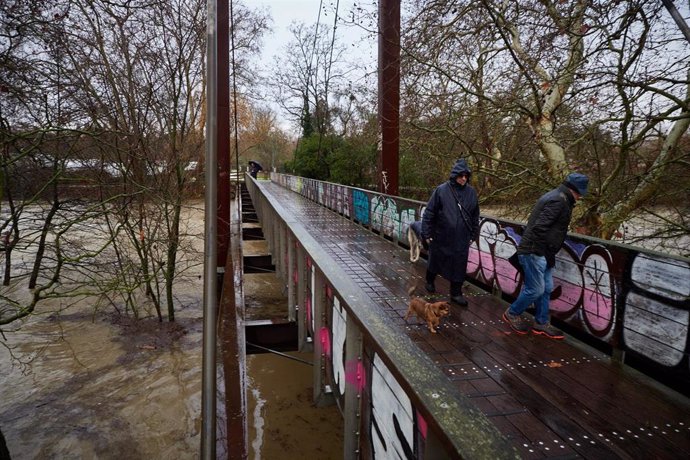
(286, 12)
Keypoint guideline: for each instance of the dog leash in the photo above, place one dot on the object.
(462, 210)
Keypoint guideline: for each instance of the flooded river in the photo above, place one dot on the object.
(81, 384)
(108, 388)
(102, 388)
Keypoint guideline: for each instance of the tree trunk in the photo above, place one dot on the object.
(653, 180)
(40, 251)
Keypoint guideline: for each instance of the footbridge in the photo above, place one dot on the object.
(616, 387)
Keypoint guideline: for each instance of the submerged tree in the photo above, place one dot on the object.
(109, 97)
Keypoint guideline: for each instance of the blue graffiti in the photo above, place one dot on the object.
(513, 234)
(578, 248)
(360, 202)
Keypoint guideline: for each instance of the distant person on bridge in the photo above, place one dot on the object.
(449, 225)
(542, 239)
(254, 168)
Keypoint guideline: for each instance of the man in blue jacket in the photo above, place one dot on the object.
(543, 237)
(449, 224)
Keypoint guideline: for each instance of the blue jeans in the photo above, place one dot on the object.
(536, 289)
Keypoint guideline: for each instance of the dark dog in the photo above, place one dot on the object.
(430, 312)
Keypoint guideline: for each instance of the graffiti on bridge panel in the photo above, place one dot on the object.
(656, 318)
(392, 415)
(391, 418)
(360, 205)
(387, 219)
(384, 213)
(584, 287)
(321, 194)
(488, 257)
(586, 282)
(339, 329)
(339, 199)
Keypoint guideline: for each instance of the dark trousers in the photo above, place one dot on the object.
(455, 286)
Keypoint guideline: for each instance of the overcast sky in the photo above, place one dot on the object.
(285, 12)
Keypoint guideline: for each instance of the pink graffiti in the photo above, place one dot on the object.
(354, 374)
(325, 337)
(473, 260)
(507, 276)
(308, 311)
(495, 247)
(598, 311)
(421, 423)
(488, 269)
(587, 284)
(599, 289)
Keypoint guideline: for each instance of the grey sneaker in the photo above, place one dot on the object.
(516, 322)
(547, 330)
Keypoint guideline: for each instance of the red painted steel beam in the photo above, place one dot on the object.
(223, 134)
(389, 95)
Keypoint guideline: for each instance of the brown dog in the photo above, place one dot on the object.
(428, 311)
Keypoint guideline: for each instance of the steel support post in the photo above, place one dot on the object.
(290, 278)
(301, 300)
(208, 377)
(389, 95)
(322, 396)
(353, 390)
(280, 265)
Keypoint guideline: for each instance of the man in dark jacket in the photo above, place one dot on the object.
(542, 239)
(449, 224)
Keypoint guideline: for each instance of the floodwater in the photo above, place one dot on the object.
(284, 424)
(103, 387)
(81, 384)
(110, 388)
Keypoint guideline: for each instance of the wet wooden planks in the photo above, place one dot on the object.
(551, 398)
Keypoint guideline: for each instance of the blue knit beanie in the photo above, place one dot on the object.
(577, 182)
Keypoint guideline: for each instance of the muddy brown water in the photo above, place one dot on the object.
(111, 387)
(85, 385)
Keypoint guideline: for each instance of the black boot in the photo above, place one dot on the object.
(456, 294)
(459, 299)
(429, 286)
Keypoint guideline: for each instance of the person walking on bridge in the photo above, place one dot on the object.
(543, 237)
(449, 225)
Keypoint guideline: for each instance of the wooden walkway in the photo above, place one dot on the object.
(549, 398)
